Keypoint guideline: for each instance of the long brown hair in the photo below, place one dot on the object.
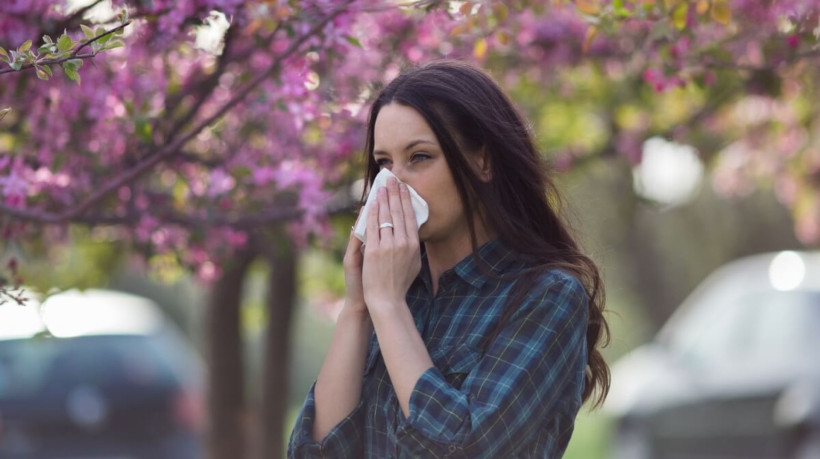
(470, 115)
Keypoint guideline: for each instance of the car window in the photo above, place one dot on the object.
(715, 335)
(785, 324)
(751, 327)
(37, 366)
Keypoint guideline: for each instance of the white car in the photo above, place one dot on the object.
(734, 373)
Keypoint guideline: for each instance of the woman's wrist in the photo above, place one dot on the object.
(378, 306)
(354, 310)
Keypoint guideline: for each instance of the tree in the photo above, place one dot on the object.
(197, 154)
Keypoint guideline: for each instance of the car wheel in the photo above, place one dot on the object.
(809, 447)
(632, 442)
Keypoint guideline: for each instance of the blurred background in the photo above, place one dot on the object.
(190, 169)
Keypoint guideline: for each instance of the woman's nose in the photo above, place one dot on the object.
(399, 172)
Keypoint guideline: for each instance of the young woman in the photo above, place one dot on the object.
(477, 334)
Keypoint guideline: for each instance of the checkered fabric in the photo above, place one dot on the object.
(517, 399)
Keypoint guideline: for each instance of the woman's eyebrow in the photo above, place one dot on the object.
(410, 145)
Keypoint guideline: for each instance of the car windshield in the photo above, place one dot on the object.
(35, 366)
(763, 325)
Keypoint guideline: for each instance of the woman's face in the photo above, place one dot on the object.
(405, 144)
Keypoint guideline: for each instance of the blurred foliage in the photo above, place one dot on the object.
(87, 263)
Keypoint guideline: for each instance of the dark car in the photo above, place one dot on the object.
(96, 374)
(735, 373)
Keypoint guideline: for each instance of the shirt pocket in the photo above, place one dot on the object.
(456, 362)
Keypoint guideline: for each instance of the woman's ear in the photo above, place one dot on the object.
(482, 163)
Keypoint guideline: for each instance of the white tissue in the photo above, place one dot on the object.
(419, 206)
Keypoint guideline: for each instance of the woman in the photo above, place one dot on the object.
(487, 318)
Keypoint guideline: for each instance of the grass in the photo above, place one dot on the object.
(591, 437)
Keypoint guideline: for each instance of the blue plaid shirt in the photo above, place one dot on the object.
(517, 399)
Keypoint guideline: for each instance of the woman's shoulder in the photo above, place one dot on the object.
(548, 287)
(558, 277)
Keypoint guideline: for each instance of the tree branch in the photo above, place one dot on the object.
(174, 147)
(104, 34)
(74, 54)
(204, 87)
(243, 221)
(49, 62)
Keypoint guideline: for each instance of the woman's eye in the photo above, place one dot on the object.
(419, 157)
(382, 162)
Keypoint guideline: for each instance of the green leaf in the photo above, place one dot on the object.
(4, 112)
(65, 42)
(113, 44)
(16, 65)
(70, 70)
(24, 47)
(73, 75)
(241, 172)
(105, 39)
(680, 15)
(75, 63)
(353, 41)
(47, 69)
(41, 74)
(47, 39)
(3, 52)
(143, 130)
(88, 31)
(46, 48)
(620, 9)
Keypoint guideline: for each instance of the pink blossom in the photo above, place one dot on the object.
(220, 183)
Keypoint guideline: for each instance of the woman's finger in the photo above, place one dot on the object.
(396, 210)
(386, 233)
(372, 228)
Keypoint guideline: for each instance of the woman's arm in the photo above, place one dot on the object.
(405, 355)
(339, 385)
(391, 263)
(330, 424)
(523, 393)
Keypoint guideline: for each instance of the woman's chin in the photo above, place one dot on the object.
(423, 233)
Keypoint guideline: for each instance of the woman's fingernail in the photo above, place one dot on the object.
(402, 187)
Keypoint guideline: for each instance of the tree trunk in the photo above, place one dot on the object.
(226, 382)
(281, 300)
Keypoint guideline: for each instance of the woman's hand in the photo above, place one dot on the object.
(391, 255)
(352, 263)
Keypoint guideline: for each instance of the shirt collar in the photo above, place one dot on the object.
(496, 255)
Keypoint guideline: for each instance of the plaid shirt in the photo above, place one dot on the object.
(519, 399)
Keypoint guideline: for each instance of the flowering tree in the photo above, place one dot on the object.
(195, 153)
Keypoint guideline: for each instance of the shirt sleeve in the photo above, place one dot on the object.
(532, 368)
(343, 441)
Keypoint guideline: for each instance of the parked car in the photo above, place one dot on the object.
(734, 373)
(97, 374)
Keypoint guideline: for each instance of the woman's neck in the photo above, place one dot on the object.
(444, 254)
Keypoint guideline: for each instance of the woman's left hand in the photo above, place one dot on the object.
(391, 255)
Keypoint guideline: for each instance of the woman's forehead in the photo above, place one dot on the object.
(398, 125)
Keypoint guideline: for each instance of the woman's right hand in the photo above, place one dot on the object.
(354, 294)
